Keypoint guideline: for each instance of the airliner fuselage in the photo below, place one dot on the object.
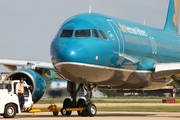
(113, 53)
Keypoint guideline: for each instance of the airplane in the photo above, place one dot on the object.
(99, 51)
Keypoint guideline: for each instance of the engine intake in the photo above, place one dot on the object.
(32, 78)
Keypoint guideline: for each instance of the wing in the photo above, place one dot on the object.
(167, 70)
(12, 64)
(167, 67)
(47, 67)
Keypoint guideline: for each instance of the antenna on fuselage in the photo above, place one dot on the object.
(89, 8)
(144, 23)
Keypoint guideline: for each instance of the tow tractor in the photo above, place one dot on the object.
(9, 103)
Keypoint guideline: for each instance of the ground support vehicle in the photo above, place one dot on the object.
(52, 108)
(9, 103)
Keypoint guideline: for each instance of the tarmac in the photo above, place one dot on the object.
(104, 115)
(101, 116)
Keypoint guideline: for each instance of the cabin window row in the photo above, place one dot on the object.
(146, 41)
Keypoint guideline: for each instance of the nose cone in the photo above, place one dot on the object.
(71, 52)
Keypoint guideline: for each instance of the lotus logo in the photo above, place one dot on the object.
(122, 28)
(111, 35)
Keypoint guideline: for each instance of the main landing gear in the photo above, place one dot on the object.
(84, 106)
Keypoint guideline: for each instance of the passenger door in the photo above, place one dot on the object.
(116, 35)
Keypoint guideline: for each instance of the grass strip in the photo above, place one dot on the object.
(140, 109)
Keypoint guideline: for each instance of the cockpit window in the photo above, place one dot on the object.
(95, 33)
(66, 33)
(103, 34)
(82, 33)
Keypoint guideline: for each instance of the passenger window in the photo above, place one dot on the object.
(95, 33)
(66, 33)
(82, 33)
(103, 34)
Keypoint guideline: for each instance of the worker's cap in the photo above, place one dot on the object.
(21, 80)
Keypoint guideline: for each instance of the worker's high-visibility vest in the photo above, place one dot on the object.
(20, 88)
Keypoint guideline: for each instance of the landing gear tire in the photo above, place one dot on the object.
(66, 104)
(10, 111)
(91, 110)
(82, 103)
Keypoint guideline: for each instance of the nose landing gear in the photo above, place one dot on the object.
(84, 106)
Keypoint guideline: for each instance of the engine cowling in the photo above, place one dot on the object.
(32, 78)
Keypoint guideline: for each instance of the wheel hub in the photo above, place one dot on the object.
(93, 110)
(10, 111)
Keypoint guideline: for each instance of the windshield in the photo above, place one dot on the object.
(66, 33)
(6, 86)
(82, 33)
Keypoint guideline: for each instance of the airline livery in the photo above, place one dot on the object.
(98, 51)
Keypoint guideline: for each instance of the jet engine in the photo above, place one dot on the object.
(32, 78)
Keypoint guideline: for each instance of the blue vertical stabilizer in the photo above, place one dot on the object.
(172, 16)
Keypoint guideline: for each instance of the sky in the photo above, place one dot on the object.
(27, 27)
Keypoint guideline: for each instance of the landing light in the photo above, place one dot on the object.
(96, 57)
(72, 53)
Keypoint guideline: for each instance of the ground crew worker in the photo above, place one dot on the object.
(20, 92)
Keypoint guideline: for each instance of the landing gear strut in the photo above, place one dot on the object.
(84, 106)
